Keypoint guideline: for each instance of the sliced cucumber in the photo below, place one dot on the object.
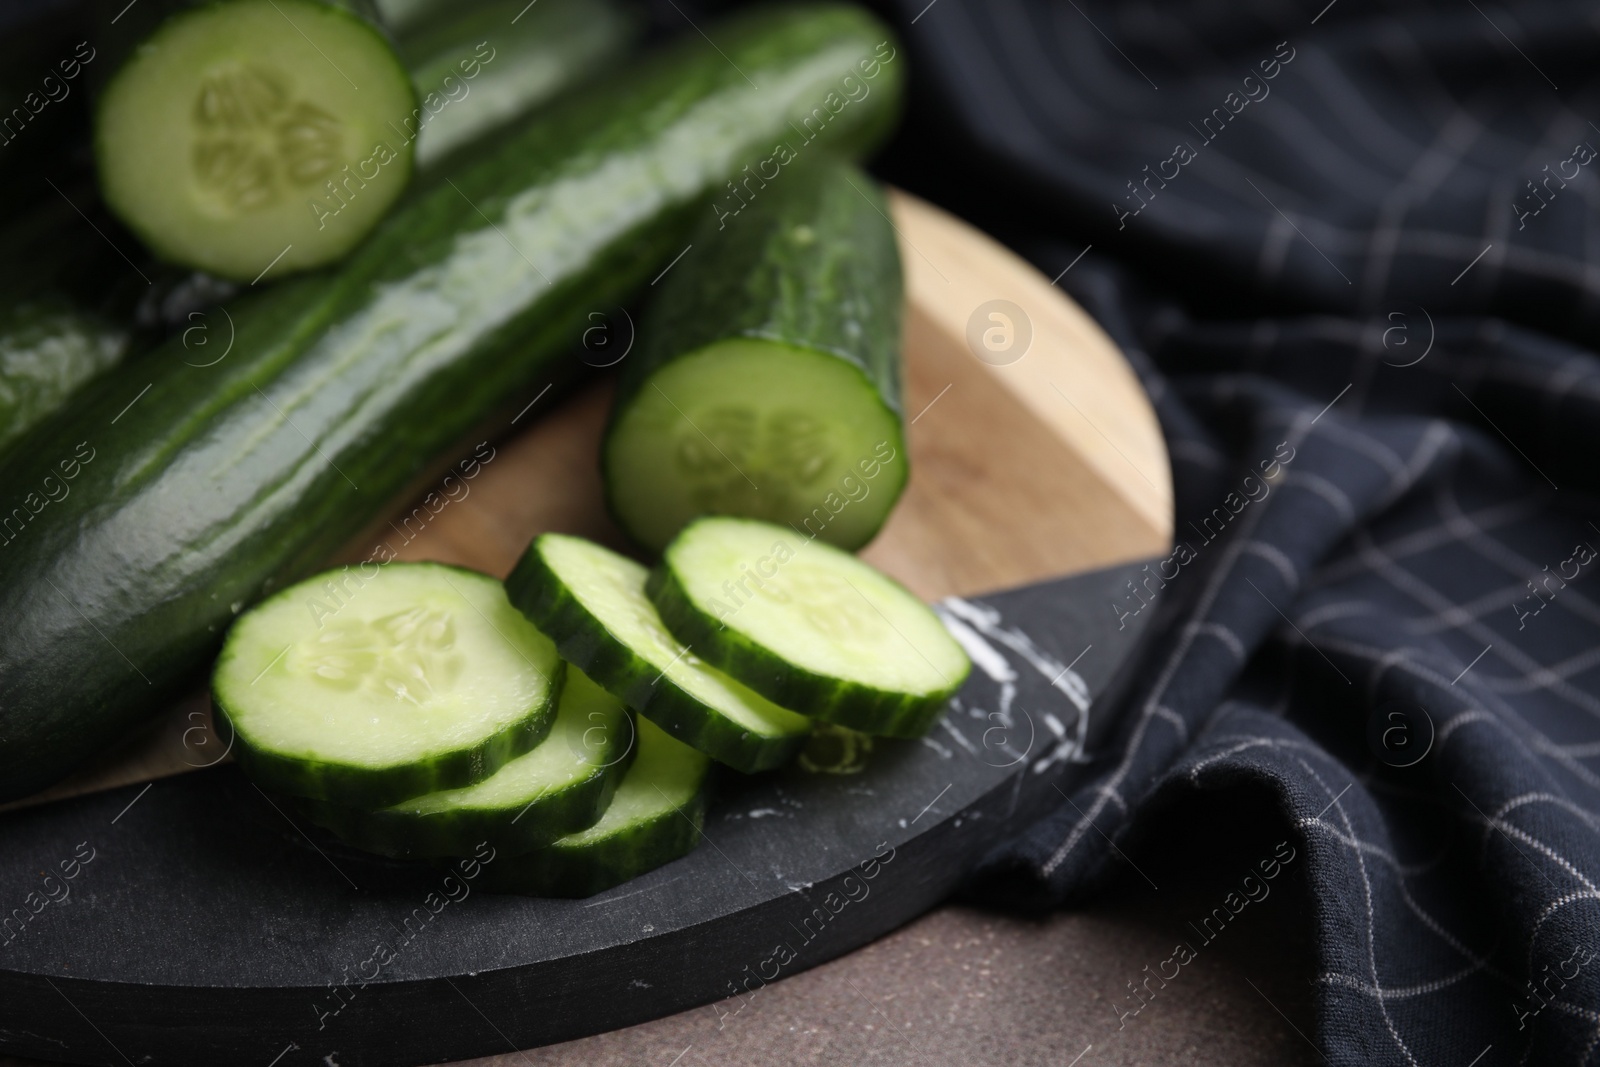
(242, 131)
(768, 378)
(560, 787)
(593, 603)
(655, 817)
(370, 375)
(808, 626)
(369, 686)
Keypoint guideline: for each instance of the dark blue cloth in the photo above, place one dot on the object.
(1357, 241)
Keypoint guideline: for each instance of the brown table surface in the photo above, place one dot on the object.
(966, 986)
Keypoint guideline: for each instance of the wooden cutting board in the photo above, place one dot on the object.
(210, 926)
(1040, 460)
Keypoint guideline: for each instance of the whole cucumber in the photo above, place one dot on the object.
(176, 495)
(481, 69)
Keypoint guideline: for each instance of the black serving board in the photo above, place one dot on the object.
(208, 926)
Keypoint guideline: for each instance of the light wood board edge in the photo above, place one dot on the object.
(1072, 377)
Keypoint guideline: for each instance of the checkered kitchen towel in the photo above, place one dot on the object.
(1353, 249)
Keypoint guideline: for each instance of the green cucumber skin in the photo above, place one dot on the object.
(344, 783)
(351, 784)
(48, 351)
(539, 593)
(551, 47)
(820, 696)
(583, 872)
(400, 836)
(203, 497)
(403, 835)
(842, 294)
(403, 18)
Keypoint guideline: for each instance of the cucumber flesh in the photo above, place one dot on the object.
(756, 428)
(656, 817)
(592, 601)
(808, 625)
(243, 130)
(369, 689)
(563, 785)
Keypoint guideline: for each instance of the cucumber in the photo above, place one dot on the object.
(48, 351)
(561, 786)
(479, 70)
(656, 817)
(246, 134)
(405, 17)
(342, 389)
(62, 303)
(369, 686)
(475, 73)
(768, 378)
(808, 626)
(592, 602)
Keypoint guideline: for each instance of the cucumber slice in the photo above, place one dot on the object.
(367, 688)
(655, 818)
(593, 603)
(808, 626)
(767, 383)
(561, 786)
(239, 131)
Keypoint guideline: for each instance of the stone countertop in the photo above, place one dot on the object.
(966, 987)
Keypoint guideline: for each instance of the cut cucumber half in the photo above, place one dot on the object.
(757, 428)
(592, 601)
(808, 626)
(255, 133)
(656, 817)
(367, 686)
(767, 384)
(561, 786)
